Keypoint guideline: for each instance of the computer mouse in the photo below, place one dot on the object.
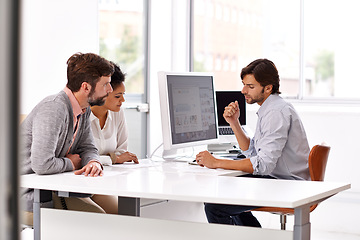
(234, 151)
(240, 155)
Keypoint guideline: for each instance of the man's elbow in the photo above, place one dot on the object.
(265, 169)
(42, 169)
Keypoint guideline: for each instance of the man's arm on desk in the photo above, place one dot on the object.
(208, 160)
(92, 169)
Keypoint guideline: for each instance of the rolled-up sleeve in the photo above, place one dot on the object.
(269, 140)
(248, 153)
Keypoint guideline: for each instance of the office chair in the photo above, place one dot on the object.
(318, 158)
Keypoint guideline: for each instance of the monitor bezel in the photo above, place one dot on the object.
(165, 111)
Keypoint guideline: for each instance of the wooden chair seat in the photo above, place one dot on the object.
(318, 158)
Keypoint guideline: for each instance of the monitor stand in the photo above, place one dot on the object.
(226, 151)
(178, 156)
(226, 146)
(187, 154)
(220, 147)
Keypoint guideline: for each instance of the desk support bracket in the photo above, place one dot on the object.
(63, 194)
(129, 206)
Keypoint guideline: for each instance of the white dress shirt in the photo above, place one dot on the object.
(113, 138)
(279, 147)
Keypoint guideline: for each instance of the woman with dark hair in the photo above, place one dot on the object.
(109, 127)
(110, 134)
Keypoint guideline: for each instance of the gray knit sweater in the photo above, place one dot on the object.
(46, 136)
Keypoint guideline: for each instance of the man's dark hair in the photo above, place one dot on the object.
(86, 67)
(265, 73)
(118, 77)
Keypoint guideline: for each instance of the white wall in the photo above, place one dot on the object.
(51, 32)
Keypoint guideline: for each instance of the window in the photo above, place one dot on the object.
(257, 29)
(328, 43)
(331, 48)
(121, 39)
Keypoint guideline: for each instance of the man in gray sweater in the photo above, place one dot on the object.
(56, 134)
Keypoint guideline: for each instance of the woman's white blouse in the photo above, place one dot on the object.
(113, 138)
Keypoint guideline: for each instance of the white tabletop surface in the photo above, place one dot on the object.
(184, 182)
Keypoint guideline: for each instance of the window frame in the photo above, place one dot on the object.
(300, 98)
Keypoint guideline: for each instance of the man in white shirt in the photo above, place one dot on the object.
(279, 148)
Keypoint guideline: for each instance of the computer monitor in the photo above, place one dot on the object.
(227, 139)
(223, 99)
(188, 109)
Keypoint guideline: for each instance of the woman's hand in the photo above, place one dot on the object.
(127, 157)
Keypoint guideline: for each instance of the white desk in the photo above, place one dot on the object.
(183, 182)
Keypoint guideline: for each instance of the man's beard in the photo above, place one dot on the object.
(98, 101)
(255, 100)
(259, 98)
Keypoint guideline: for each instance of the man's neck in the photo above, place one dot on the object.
(77, 109)
(266, 97)
(82, 100)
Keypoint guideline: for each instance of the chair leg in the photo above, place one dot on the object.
(283, 221)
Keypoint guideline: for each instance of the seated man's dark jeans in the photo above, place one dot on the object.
(232, 214)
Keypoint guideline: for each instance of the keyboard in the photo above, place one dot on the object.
(225, 131)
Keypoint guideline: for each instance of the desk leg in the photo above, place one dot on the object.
(302, 223)
(36, 214)
(129, 206)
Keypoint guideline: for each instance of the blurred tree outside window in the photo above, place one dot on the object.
(121, 39)
(226, 41)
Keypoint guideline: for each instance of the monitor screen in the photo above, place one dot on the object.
(188, 109)
(224, 98)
